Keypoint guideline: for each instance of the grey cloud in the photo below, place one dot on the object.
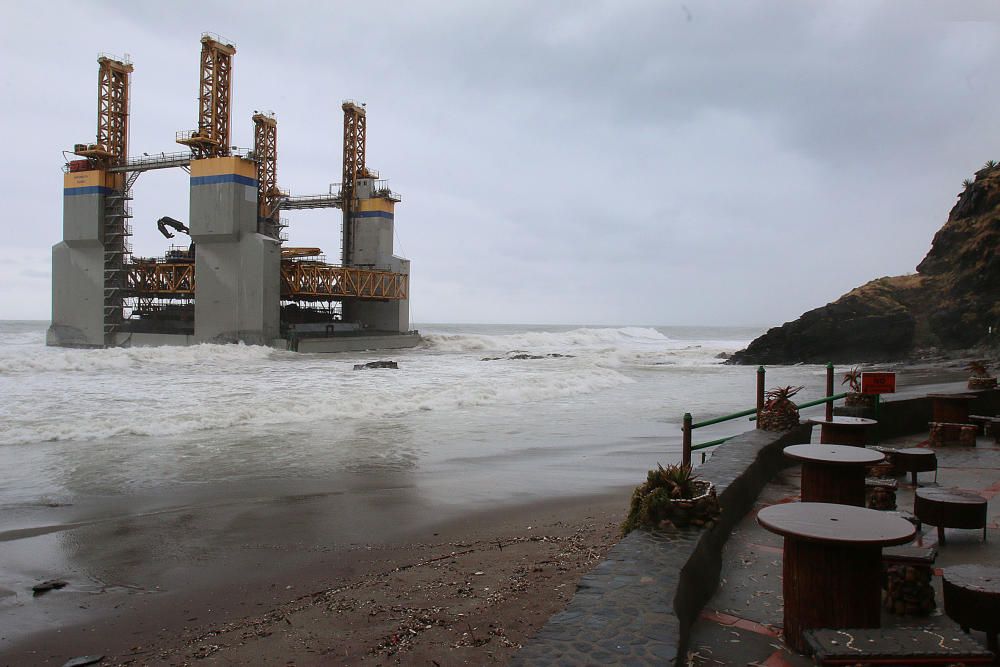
(611, 155)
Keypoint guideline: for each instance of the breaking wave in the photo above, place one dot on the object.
(546, 340)
(56, 394)
(610, 347)
(40, 359)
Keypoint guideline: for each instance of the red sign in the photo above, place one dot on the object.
(878, 383)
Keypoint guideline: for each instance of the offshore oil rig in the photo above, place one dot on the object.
(235, 281)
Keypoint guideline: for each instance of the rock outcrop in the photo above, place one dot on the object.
(950, 303)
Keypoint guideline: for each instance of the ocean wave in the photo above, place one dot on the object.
(41, 359)
(543, 340)
(192, 405)
(608, 347)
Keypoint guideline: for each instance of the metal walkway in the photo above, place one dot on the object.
(310, 201)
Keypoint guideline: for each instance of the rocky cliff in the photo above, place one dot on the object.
(949, 304)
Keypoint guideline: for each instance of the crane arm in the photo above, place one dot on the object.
(166, 221)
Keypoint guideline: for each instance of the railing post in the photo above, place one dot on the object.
(760, 392)
(829, 391)
(686, 440)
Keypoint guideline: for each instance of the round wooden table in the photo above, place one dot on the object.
(833, 473)
(914, 460)
(951, 408)
(950, 508)
(972, 599)
(832, 565)
(844, 430)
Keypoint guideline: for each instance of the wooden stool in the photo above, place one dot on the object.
(946, 434)
(950, 508)
(880, 494)
(908, 589)
(888, 467)
(915, 459)
(972, 599)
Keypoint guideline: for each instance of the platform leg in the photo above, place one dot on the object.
(940, 534)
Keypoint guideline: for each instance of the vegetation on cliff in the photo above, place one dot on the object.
(951, 303)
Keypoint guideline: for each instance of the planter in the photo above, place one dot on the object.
(778, 420)
(656, 509)
(699, 511)
(979, 383)
(943, 434)
(856, 400)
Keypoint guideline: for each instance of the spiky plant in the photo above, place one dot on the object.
(658, 502)
(978, 369)
(780, 413)
(990, 164)
(677, 479)
(967, 183)
(852, 378)
(979, 376)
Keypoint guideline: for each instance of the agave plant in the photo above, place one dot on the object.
(967, 183)
(978, 369)
(671, 497)
(677, 479)
(780, 413)
(990, 164)
(852, 379)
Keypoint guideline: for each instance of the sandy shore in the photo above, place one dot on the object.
(467, 590)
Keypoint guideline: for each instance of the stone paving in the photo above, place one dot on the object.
(741, 624)
(625, 611)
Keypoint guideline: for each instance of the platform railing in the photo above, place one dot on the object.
(688, 424)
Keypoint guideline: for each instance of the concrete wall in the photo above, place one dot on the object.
(78, 263)
(382, 315)
(237, 270)
(374, 232)
(911, 414)
(373, 242)
(77, 295)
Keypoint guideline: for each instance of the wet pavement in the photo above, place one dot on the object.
(742, 623)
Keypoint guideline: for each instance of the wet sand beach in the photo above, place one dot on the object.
(467, 590)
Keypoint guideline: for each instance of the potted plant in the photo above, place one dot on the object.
(672, 497)
(979, 376)
(779, 413)
(854, 398)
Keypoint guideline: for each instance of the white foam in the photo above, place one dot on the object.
(54, 394)
(586, 338)
(37, 358)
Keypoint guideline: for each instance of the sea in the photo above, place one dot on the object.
(477, 414)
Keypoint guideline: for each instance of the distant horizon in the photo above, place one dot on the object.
(536, 324)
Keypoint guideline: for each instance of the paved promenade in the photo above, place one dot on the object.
(621, 612)
(741, 625)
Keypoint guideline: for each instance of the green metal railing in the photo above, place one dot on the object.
(689, 425)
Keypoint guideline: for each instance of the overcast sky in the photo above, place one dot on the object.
(620, 162)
